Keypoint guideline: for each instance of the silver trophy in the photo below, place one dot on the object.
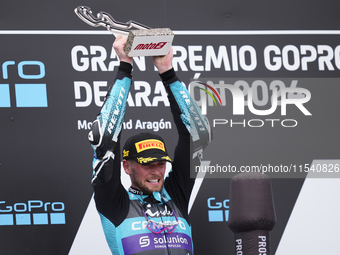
(142, 40)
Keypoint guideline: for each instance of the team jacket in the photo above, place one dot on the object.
(121, 210)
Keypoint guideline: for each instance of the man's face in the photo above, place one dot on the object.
(146, 178)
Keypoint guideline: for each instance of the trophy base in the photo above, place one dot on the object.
(149, 42)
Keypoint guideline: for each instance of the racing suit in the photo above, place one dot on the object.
(121, 211)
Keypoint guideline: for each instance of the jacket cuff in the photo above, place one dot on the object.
(125, 67)
(169, 75)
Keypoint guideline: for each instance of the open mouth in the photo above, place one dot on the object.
(155, 181)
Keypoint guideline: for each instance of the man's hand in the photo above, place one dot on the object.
(119, 45)
(163, 63)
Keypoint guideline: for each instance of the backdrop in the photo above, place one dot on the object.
(274, 65)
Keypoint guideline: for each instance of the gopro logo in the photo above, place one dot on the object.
(220, 210)
(34, 212)
(26, 94)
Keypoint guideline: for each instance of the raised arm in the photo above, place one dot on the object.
(196, 123)
(105, 140)
(193, 128)
(107, 126)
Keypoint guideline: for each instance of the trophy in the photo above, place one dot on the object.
(141, 40)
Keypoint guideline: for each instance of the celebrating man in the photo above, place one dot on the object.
(152, 216)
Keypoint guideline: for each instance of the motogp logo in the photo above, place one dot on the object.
(150, 46)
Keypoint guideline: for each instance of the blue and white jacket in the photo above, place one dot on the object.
(120, 210)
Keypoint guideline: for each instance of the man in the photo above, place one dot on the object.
(152, 216)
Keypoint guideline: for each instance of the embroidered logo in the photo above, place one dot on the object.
(142, 160)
